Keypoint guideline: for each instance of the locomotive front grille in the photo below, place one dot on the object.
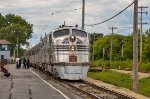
(66, 48)
(71, 64)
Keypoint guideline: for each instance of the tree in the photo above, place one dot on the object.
(146, 46)
(128, 47)
(12, 27)
(104, 42)
(118, 41)
(97, 35)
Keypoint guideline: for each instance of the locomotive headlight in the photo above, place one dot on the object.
(72, 48)
(72, 38)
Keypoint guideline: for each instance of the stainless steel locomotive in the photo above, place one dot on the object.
(63, 53)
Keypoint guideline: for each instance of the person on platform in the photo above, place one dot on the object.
(24, 63)
(28, 63)
(17, 62)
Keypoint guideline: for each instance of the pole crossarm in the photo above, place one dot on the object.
(143, 23)
(144, 12)
(142, 7)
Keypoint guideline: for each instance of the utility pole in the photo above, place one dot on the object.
(135, 47)
(93, 47)
(122, 49)
(83, 13)
(103, 56)
(141, 32)
(111, 44)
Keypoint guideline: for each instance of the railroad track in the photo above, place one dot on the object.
(96, 92)
(90, 91)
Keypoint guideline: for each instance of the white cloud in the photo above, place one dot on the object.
(39, 13)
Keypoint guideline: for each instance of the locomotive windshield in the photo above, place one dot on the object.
(79, 33)
(61, 32)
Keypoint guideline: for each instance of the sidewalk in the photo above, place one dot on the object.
(30, 84)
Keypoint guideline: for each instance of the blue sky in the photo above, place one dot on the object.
(39, 13)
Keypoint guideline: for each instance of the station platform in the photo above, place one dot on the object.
(27, 84)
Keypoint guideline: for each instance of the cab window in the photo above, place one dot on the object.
(79, 33)
(61, 33)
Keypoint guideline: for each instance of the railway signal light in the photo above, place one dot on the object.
(120, 45)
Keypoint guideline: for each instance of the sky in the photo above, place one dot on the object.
(47, 15)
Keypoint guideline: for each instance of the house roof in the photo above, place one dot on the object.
(4, 42)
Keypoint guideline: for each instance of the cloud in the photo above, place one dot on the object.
(47, 15)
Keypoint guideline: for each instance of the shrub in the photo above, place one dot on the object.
(116, 64)
(145, 67)
(126, 65)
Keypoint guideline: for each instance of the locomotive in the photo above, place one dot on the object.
(64, 53)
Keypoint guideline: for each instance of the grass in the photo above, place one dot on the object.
(121, 80)
(114, 78)
(144, 86)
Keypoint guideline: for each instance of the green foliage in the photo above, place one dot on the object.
(119, 62)
(97, 35)
(98, 47)
(146, 46)
(115, 64)
(145, 67)
(107, 64)
(104, 42)
(126, 65)
(121, 80)
(114, 78)
(95, 63)
(144, 86)
(12, 27)
(126, 60)
(122, 64)
(21, 52)
(128, 47)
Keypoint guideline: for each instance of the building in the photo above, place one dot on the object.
(5, 48)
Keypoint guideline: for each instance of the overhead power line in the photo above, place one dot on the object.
(113, 16)
(61, 10)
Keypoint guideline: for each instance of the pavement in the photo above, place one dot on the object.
(28, 84)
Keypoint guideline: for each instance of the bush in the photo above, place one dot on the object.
(125, 65)
(95, 63)
(107, 64)
(116, 64)
(145, 67)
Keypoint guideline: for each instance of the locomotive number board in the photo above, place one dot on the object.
(72, 58)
